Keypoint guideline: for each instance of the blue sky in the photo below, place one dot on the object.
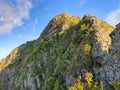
(24, 20)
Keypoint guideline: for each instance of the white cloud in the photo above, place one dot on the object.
(12, 12)
(113, 17)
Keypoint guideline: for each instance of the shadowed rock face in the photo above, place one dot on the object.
(69, 47)
(114, 53)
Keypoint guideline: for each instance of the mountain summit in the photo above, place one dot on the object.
(69, 48)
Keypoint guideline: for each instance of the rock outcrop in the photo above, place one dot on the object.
(110, 69)
(69, 47)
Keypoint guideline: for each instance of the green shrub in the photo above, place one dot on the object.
(57, 85)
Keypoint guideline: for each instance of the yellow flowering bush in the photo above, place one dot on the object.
(89, 85)
(78, 86)
(87, 48)
(88, 78)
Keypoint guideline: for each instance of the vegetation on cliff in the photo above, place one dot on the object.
(62, 53)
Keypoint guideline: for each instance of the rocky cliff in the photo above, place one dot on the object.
(69, 47)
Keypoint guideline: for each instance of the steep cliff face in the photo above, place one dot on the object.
(110, 69)
(109, 72)
(69, 47)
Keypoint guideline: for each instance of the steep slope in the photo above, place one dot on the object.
(69, 47)
(111, 66)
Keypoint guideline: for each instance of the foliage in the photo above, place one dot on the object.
(57, 85)
(97, 64)
(78, 86)
(97, 86)
(13, 55)
(83, 29)
(116, 84)
(88, 85)
(87, 48)
(88, 78)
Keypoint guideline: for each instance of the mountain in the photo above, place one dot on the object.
(71, 51)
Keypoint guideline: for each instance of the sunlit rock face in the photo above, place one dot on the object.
(110, 72)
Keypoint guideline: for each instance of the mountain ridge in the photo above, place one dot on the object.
(56, 56)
